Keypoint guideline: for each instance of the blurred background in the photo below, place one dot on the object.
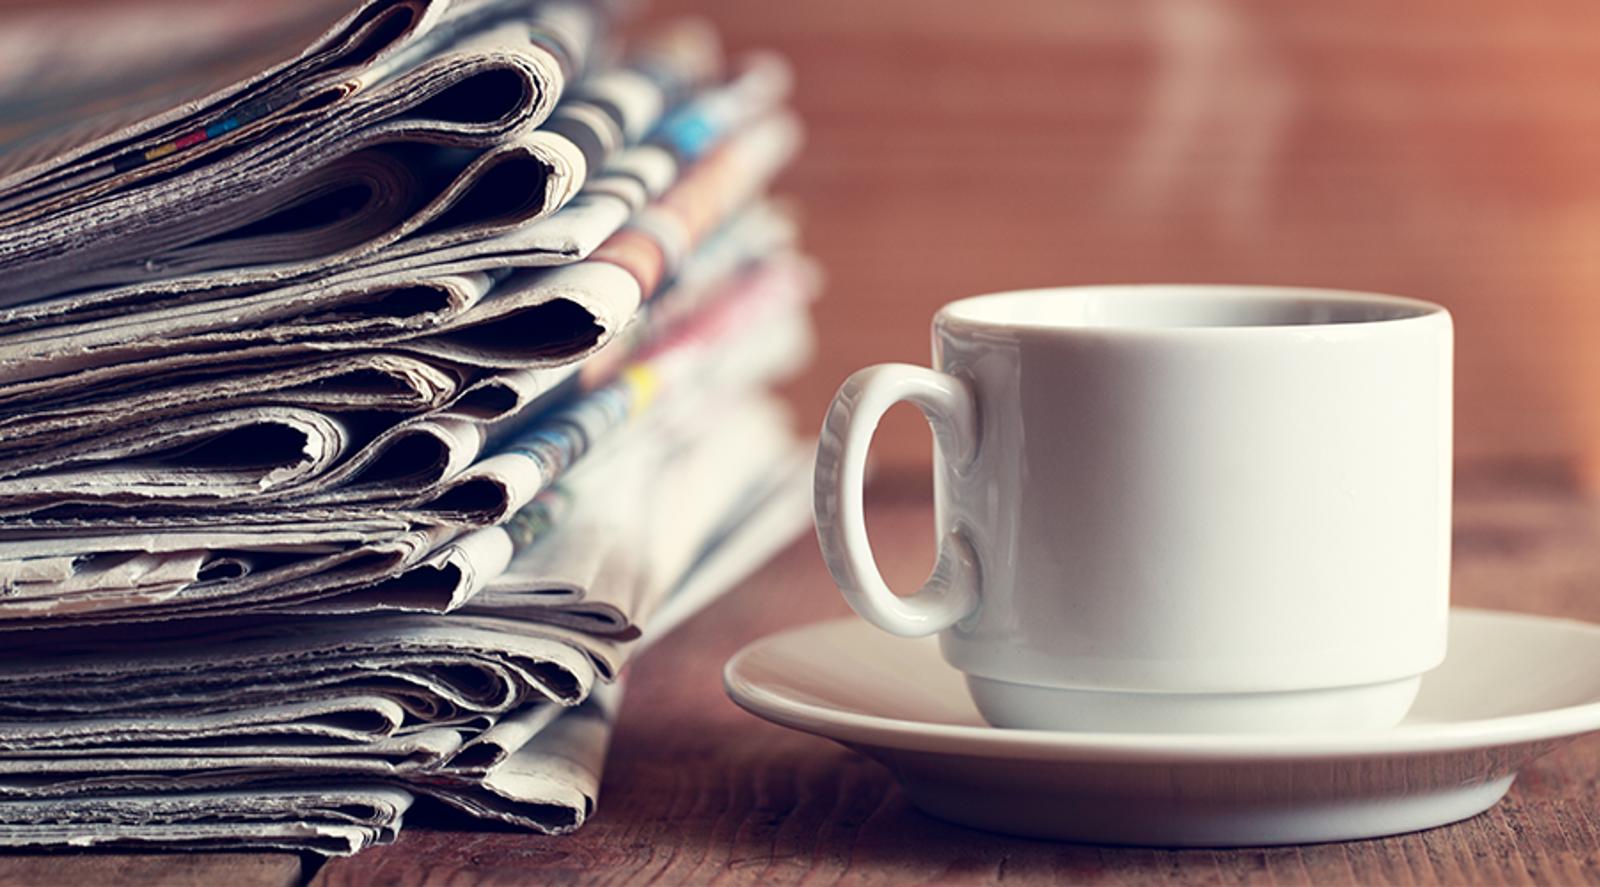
(1444, 150)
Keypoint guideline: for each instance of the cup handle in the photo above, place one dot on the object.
(951, 593)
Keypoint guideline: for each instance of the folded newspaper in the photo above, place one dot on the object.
(374, 384)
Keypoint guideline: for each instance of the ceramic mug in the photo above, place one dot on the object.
(1170, 508)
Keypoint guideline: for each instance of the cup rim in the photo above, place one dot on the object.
(963, 313)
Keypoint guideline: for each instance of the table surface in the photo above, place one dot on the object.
(698, 791)
(1422, 148)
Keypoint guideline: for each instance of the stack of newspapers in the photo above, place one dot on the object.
(374, 384)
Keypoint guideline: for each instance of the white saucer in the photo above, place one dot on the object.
(1512, 688)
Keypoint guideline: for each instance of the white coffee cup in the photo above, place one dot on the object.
(1170, 508)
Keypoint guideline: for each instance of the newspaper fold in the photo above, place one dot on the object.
(348, 213)
(426, 569)
(399, 296)
(472, 76)
(576, 308)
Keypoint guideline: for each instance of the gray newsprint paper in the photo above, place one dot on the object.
(377, 378)
(433, 536)
(502, 710)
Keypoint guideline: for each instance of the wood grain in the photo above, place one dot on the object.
(1439, 149)
(696, 791)
(1434, 148)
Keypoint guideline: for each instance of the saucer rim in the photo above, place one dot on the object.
(919, 736)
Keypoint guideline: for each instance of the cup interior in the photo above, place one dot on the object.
(1160, 307)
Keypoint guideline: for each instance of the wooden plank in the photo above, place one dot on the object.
(696, 791)
(173, 869)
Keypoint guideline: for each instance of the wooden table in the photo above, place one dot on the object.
(697, 791)
(1441, 149)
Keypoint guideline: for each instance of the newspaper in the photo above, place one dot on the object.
(751, 330)
(464, 75)
(400, 297)
(374, 384)
(334, 820)
(466, 709)
(785, 286)
(440, 197)
(575, 309)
